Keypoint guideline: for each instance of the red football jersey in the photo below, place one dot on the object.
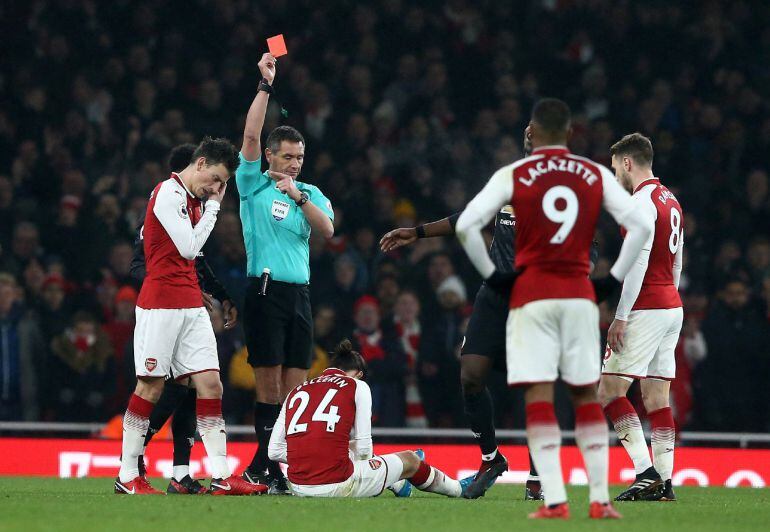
(320, 415)
(171, 280)
(557, 198)
(658, 289)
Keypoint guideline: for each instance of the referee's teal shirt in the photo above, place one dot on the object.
(275, 231)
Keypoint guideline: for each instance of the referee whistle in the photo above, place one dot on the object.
(265, 282)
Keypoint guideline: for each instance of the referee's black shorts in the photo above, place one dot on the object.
(278, 326)
(485, 335)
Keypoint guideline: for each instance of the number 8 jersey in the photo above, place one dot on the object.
(659, 287)
(321, 421)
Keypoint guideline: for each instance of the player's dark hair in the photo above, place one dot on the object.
(553, 116)
(281, 133)
(180, 156)
(636, 146)
(218, 151)
(346, 359)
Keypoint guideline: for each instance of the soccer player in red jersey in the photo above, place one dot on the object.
(553, 324)
(324, 434)
(642, 338)
(173, 334)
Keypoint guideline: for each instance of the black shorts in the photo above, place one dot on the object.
(278, 326)
(485, 335)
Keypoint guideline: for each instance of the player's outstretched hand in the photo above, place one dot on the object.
(267, 67)
(230, 313)
(616, 335)
(398, 237)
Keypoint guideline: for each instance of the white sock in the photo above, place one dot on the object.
(544, 440)
(592, 438)
(215, 442)
(439, 482)
(181, 471)
(663, 436)
(490, 456)
(134, 431)
(395, 488)
(629, 430)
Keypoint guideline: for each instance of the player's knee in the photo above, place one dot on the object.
(654, 400)
(472, 379)
(209, 388)
(583, 394)
(411, 462)
(606, 394)
(149, 389)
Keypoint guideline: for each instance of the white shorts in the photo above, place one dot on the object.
(549, 338)
(369, 479)
(174, 342)
(648, 347)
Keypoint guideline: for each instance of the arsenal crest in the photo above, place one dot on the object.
(375, 464)
(151, 363)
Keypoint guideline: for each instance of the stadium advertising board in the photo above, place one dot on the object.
(72, 458)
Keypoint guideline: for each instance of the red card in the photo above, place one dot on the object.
(277, 46)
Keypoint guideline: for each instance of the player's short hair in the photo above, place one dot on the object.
(636, 146)
(181, 156)
(346, 359)
(552, 115)
(281, 133)
(218, 151)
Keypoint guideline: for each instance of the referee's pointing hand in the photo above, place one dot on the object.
(285, 183)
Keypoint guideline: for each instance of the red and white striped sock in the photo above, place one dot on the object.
(629, 429)
(428, 478)
(663, 436)
(211, 427)
(544, 440)
(592, 438)
(136, 421)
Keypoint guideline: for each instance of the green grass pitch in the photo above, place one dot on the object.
(30, 504)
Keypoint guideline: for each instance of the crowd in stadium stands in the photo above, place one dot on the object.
(407, 109)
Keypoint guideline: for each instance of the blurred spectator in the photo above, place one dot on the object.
(406, 319)
(440, 354)
(730, 392)
(385, 359)
(82, 372)
(120, 330)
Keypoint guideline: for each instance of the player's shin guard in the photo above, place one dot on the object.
(480, 412)
(264, 418)
(592, 438)
(135, 423)
(663, 435)
(544, 440)
(629, 430)
(428, 478)
(211, 426)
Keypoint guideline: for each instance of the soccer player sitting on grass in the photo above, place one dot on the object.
(324, 434)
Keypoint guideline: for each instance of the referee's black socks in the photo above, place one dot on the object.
(478, 408)
(264, 418)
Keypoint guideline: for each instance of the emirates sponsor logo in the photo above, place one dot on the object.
(151, 363)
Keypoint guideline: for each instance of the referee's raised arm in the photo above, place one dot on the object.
(278, 213)
(255, 119)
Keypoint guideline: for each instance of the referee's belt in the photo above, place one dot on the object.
(256, 280)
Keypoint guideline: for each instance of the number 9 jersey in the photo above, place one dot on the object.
(321, 422)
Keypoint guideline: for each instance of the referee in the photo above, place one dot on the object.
(277, 214)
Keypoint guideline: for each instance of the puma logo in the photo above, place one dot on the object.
(625, 439)
(668, 450)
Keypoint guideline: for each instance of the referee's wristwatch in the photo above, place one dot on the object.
(303, 198)
(265, 86)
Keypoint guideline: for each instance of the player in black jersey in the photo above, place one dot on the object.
(178, 399)
(484, 344)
